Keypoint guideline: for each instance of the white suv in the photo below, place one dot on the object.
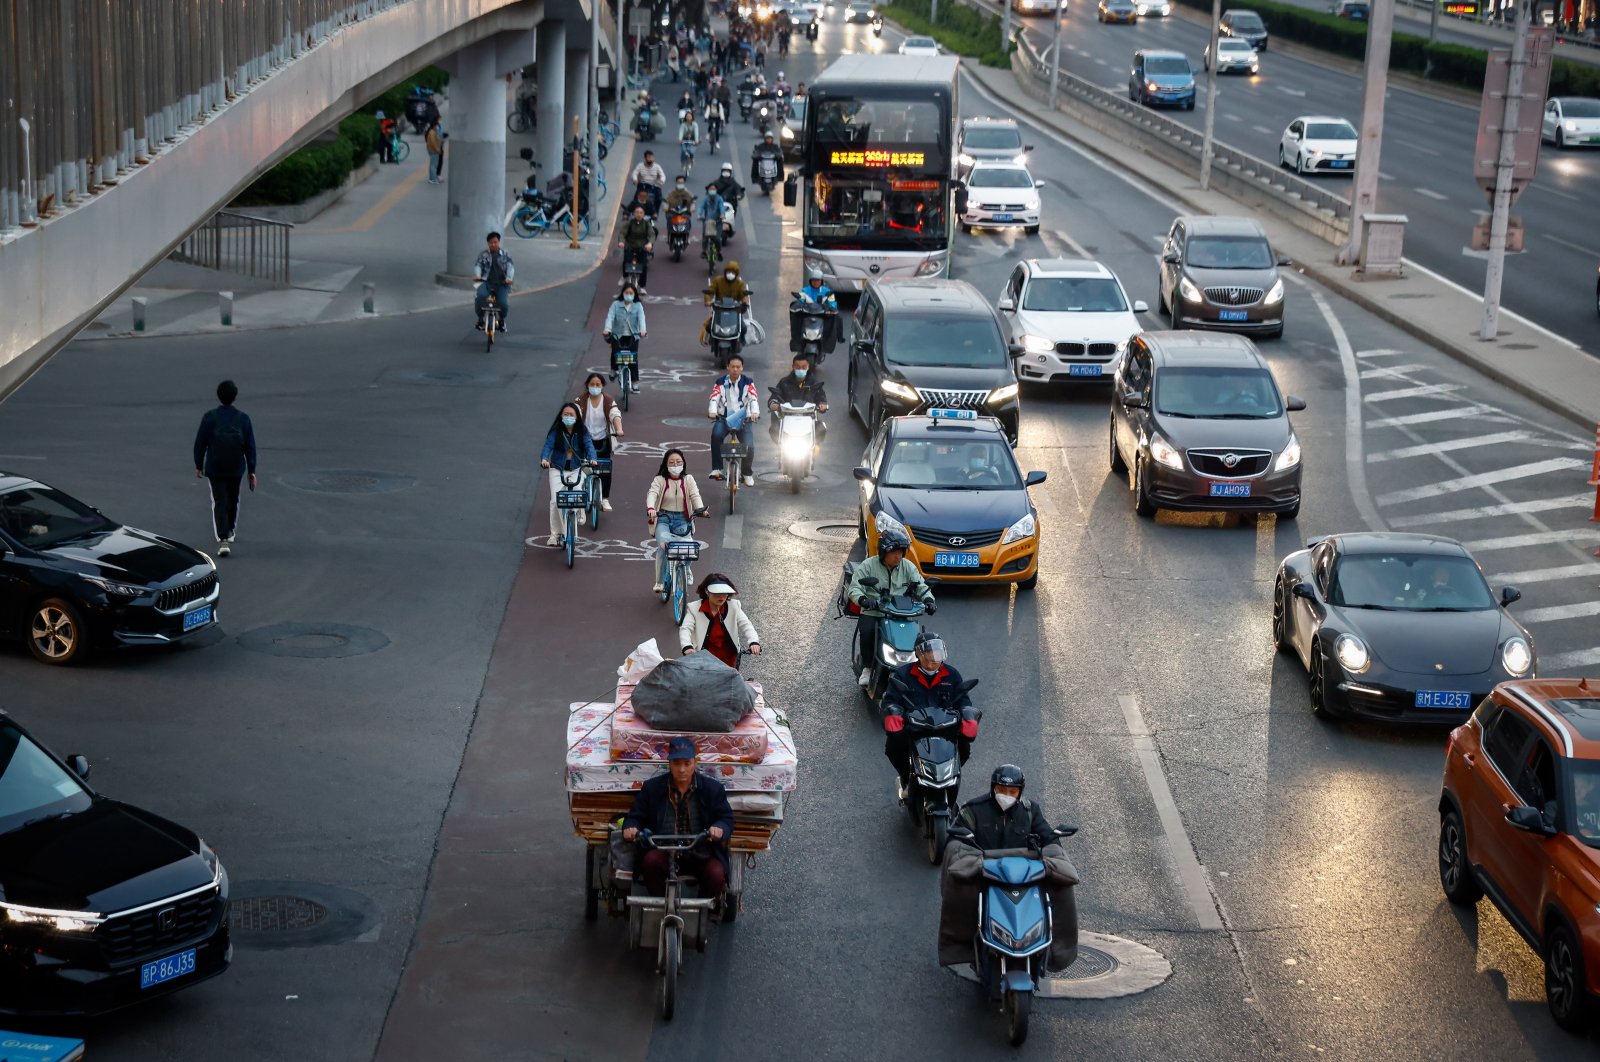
(1069, 319)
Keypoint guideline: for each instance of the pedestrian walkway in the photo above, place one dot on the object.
(388, 231)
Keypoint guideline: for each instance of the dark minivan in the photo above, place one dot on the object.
(930, 344)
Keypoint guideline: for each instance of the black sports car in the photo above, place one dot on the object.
(101, 904)
(1395, 626)
(71, 580)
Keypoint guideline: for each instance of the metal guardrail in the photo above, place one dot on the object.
(90, 88)
(239, 243)
(1176, 135)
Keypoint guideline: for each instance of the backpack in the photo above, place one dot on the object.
(226, 448)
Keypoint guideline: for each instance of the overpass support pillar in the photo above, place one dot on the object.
(554, 126)
(475, 155)
(577, 88)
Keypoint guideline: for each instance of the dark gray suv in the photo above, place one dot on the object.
(1201, 423)
(1221, 273)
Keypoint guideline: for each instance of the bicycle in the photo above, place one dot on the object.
(609, 129)
(600, 466)
(398, 148)
(522, 118)
(571, 500)
(492, 312)
(681, 553)
(625, 354)
(734, 455)
(710, 245)
(533, 217)
(686, 157)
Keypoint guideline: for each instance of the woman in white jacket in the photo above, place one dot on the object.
(717, 623)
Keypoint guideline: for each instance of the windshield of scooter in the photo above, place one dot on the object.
(931, 717)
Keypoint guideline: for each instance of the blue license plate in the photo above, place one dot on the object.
(1339, 164)
(1443, 699)
(168, 969)
(1230, 490)
(1002, 217)
(951, 414)
(198, 618)
(1083, 370)
(956, 560)
(1233, 315)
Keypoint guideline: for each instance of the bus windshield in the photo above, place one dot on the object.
(872, 210)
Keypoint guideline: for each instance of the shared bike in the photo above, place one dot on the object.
(626, 358)
(682, 551)
(579, 490)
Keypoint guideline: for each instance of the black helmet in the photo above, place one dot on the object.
(1008, 774)
(889, 541)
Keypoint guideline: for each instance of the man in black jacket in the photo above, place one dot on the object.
(926, 683)
(224, 454)
(682, 801)
(1002, 819)
(798, 388)
(767, 149)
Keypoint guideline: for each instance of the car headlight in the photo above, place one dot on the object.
(1517, 656)
(1020, 158)
(1290, 456)
(965, 159)
(1572, 127)
(1352, 653)
(788, 134)
(1002, 394)
(1276, 294)
(1187, 88)
(1153, 87)
(114, 588)
(885, 522)
(62, 921)
(1188, 291)
(1164, 453)
(1037, 344)
(1027, 527)
(896, 389)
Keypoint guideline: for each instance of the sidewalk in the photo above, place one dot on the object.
(1524, 358)
(388, 231)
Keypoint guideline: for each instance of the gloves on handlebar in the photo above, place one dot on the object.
(969, 728)
(931, 605)
(894, 723)
(870, 604)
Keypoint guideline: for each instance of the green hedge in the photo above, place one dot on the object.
(326, 162)
(961, 29)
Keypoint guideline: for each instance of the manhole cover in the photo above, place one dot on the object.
(316, 641)
(687, 422)
(271, 915)
(1106, 967)
(1091, 962)
(275, 914)
(346, 481)
(836, 530)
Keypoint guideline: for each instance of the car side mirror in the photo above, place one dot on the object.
(1529, 820)
(80, 765)
(1509, 594)
(1033, 479)
(1133, 400)
(1038, 184)
(1140, 306)
(1301, 590)
(526, 154)
(1007, 304)
(1294, 403)
(1015, 350)
(1283, 260)
(1172, 257)
(863, 473)
(961, 199)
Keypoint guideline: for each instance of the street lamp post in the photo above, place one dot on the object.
(1055, 55)
(1364, 195)
(1208, 140)
(1505, 168)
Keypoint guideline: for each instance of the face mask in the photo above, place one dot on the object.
(680, 186)
(628, 297)
(800, 374)
(569, 421)
(976, 464)
(926, 670)
(1004, 801)
(595, 390)
(730, 276)
(674, 470)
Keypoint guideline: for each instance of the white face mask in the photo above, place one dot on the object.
(674, 470)
(1004, 801)
(593, 390)
(730, 276)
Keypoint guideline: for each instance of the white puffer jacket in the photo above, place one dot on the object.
(692, 631)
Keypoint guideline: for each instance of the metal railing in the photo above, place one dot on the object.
(90, 89)
(1177, 136)
(238, 243)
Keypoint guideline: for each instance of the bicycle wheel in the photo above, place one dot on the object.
(678, 597)
(730, 472)
(582, 226)
(603, 148)
(671, 957)
(490, 316)
(572, 536)
(401, 149)
(517, 122)
(625, 381)
(524, 223)
(594, 503)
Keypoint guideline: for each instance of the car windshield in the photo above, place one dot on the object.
(32, 785)
(1409, 582)
(1166, 64)
(1330, 131)
(1581, 108)
(1007, 177)
(1230, 44)
(960, 463)
(1074, 295)
(1585, 820)
(1248, 22)
(949, 341)
(1229, 252)
(1219, 393)
(989, 138)
(797, 110)
(41, 517)
(920, 42)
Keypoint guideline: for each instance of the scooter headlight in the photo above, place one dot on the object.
(893, 657)
(797, 446)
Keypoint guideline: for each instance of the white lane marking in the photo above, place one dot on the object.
(1390, 370)
(1355, 468)
(1232, 118)
(1381, 352)
(1549, 575)
(1292, 92)
(1262, 130)
(1266, 547)
(1077, 248)
(1101, 61)
(1569, 245)
(1482, 479)
(1477, 295)
(733, 531)
(1438, 414)
(1535, 538)
(1576, 658)
(1385, 176)
(1191, 874)
(1418, 147)
(1557, 191)
(1489, 512)
(1420, 391)
(1556, 613)
(1431, 449)
(1430, 193)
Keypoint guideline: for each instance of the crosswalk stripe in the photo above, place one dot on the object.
(1380, 353)
(1390, 370)
(1484, 512)
(1430, 449)
(1548, 575)
(1420, 391)
(1562, 661)
(1437, 414)
(1534, 538)
(1559, 612)
(1482, 479)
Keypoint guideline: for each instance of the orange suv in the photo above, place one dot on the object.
(1519, 819)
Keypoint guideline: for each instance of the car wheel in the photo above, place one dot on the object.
(850, 392)
(861, 524)
(1172, 308)
(1300, 164)
(1597, 297)
(1031, 230)
(1119, 467)
(966, 228)
(55, 632)
(1566, 989)
(1189, 106)
(1319, 692)
(1141, 500)
(1455, 873)
(1030, 582)
(1280, 617)
(1561, 137)
(1283, 160)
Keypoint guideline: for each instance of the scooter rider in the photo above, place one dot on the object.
(798, 388)
(680, 199)
(816, 290)
(767, 149)
(781, 86)
(638, 238)
(650, 174)
(731, 190)
(896, 575)
(1002, 818)
(929, 682)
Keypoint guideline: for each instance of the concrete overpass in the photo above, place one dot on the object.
(122, 127)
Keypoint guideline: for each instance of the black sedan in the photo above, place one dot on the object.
(1397, 627)
(71, 580)
(101, 904)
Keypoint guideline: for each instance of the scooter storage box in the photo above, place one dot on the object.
(634, 739)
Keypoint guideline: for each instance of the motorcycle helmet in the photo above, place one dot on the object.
(933, 645)
(889, 541)
(813, 274)
(727, 167)
(1008, 774)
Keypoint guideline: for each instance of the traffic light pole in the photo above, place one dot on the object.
(1208, 140)
(1504, 169)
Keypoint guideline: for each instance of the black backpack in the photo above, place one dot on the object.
(226, 448)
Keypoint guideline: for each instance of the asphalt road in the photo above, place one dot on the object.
(1426, 168)
(1317, 841)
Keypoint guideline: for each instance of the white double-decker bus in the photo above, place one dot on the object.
(877, 174)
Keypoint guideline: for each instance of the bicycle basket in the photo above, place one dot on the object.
(572, 499)
(627, 357)
(683, 551)
(734, 450)
(602, 464)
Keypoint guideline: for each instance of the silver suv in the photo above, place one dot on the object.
(989, 140)
(1221, 273)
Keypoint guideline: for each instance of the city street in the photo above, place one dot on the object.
(378, 725)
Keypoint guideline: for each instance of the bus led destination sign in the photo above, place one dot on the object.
(878, 158)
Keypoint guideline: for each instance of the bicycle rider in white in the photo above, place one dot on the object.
(673, 499)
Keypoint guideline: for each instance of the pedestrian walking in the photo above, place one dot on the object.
(435, 152)
(225, 456)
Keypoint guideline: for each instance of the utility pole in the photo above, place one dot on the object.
(1055, 55)
(593, 119)
(1433, 20)
(1207, 140)
(1364, 195)
(1005, 21)
(1495, 274)
(933, 12)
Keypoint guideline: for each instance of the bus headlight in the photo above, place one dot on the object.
(931, 267)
